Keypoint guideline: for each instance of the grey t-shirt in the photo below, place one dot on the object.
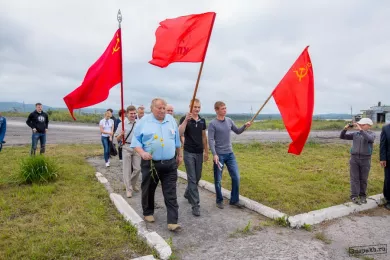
(219, 135)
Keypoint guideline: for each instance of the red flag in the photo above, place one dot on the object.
(182, 39)
(105, 73)
(294, 97)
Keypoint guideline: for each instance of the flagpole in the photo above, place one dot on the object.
(119, 18)
(201, 65)
(261, 108)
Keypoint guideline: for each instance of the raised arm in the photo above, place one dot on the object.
(369, 136)
(344, 135)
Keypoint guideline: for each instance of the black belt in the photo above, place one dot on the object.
(128, 143)
(164, 161)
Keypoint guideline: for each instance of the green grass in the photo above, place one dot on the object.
(62, 116)
(316, 179)
(38, 169)
(71, 218)
(316, 125)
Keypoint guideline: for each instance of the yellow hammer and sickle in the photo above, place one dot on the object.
(116, 47)
(302, 72)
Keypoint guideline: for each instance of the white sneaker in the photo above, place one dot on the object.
(120, 160)
(107, 164)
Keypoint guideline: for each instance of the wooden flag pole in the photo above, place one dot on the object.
(119, 17)
(261, 108)
(201, 65)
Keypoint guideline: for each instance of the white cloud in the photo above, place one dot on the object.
(46, 48)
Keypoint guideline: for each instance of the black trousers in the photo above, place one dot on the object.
(386, 184)
(167, 174)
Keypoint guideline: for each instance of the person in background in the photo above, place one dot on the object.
(156, 138)
(140, 112)
(3, 129)
(112, 114)
(107, 131)
(116, 123)
(385, 162)
(38, 121)
(221, 148)
(360, 161)
(131, 159)
(192, 131)
(170, 109)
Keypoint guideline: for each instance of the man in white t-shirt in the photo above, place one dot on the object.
(107, 131)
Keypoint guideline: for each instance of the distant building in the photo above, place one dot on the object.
(379, 114)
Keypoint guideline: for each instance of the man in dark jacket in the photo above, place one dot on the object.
(3, 129)
(38, 121)
(360, 162)
(385, 162)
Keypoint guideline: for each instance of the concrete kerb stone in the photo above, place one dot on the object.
(153, 239)
(147, 257)
(318, 216)
(248, 203)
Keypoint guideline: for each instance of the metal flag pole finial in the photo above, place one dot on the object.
(119, 16)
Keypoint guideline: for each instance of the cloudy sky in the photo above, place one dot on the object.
(47, 46)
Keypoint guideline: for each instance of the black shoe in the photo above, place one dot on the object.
(356, 201)
(3, 142)
(238, 205)
(387, 206)
(196, 211)
(363, 200)
(220, 205)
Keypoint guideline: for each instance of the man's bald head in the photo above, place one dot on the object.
(169, 108)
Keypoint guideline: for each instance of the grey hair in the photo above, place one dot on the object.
(155, 100)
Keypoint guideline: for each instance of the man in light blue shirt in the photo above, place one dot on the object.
(156, 139)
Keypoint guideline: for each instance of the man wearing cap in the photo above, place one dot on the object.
(385, 162)
(360, 162)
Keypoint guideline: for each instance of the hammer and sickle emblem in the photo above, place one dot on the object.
(116, 47)
(302, 72)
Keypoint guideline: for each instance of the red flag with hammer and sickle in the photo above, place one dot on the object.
(182, 39)
(104, 74)
(294, 96)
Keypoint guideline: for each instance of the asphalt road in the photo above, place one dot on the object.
(18, 133)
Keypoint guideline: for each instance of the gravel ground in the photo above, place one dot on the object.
(214, 234)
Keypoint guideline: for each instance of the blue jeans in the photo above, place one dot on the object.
(230, 160)
(106, 147)
(41, 137)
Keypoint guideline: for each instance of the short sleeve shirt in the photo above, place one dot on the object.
(193, 135)
(107, 125)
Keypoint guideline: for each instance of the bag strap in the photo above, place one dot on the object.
(131, 130)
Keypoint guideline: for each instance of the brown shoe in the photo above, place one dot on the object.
(174, 227)
(149, 218)
(129, 194)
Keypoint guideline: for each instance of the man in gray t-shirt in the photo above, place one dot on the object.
(221, 148)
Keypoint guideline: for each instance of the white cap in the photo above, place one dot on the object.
(365, 121)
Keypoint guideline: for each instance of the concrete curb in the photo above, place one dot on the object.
(318, 216)
(153, 239)
(148, 257)
(248, 203)
(311, 218)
